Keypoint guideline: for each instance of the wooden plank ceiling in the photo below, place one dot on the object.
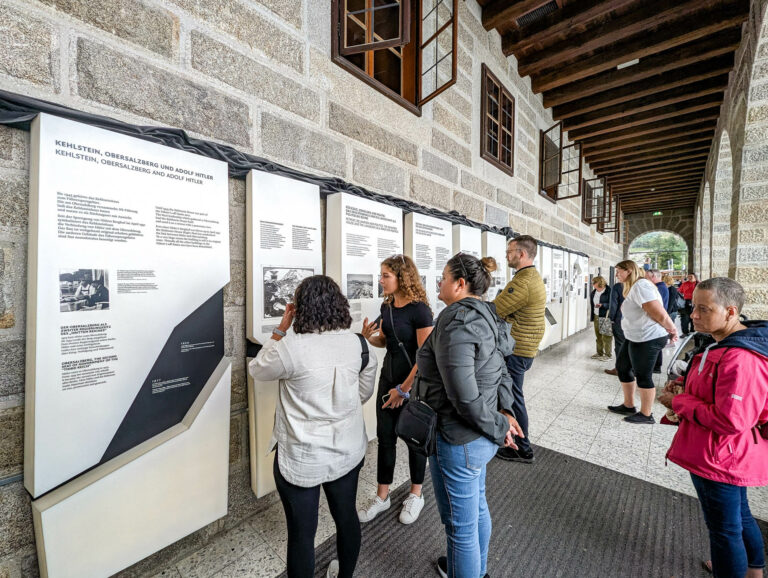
(646, 127)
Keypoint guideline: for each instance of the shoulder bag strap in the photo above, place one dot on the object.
(365, 355)
(399, 343)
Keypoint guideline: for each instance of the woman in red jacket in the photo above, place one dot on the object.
(719, 441)
(686, 290)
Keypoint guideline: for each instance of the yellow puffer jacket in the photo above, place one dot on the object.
(522, 305)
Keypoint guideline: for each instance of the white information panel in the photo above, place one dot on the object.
(543, 264)
(558, 290)
(429, 242)
(495, 245)
(467, 240)
(128, 257)
(283, 246)
(583, 316)
(360, 234)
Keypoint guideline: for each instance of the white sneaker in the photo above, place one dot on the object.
(333, 569)
(411, 509)
(596, 356)
(377, 506)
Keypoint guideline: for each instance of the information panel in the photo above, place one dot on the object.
(128, 257)
(495, 245)
(467, 240)
(429, 242)
(283, 246)
(360, 234)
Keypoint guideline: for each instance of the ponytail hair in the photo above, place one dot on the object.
(475, 272)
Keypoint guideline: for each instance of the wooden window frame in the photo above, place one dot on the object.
(610, 224)
(558, 196)
(412, 71)
(404, 27)
(550, 192)
(488, 76)
(588, 218)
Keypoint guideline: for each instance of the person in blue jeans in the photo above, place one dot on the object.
(462, 376)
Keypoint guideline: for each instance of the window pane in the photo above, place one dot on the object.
(386, 19)
(437, 37)
(386, 69)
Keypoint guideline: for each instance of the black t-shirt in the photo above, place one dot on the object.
(407, 320)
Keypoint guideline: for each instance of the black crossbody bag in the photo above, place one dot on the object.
(417, 424)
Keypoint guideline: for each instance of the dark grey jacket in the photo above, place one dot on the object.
(462, 374)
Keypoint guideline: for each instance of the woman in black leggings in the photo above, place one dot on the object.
(406, 322)
(646, 326)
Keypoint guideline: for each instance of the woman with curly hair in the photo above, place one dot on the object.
(404, 324)
(319, 431)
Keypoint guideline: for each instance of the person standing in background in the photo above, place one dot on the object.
(654, 276)
(614, 313)
(522, 305)
(600, 298)
(686, 290)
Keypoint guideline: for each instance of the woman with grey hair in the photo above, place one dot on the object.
(722, 439)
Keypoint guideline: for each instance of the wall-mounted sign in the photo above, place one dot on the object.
(429, 242)
(495, 245)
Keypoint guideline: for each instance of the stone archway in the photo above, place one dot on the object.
(697, 242)
(677, 221)
(721, 210)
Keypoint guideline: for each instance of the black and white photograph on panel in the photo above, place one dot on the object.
(359, 286)
(381, 290)
(83, 289)
(279, 286)
(423, 281)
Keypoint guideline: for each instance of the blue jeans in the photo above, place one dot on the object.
(458, 480)
(735, 540)
(517, 366)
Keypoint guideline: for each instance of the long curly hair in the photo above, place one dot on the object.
(408, 279)
(320, 306)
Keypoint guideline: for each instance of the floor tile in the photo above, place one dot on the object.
(220, 552)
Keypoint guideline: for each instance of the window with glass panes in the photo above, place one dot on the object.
(497, 143)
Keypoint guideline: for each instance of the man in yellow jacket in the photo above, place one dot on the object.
(522, 304)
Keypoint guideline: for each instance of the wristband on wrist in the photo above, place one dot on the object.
(279, 332)
(401, 393)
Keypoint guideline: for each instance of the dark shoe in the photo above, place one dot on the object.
(512, 455)
(640, 418)
(623, 409)
(657, 370)
(442, 566)
(611, 371)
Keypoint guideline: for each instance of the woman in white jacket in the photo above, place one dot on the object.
(325, 377)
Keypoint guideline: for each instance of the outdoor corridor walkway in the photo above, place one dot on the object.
(567, 393)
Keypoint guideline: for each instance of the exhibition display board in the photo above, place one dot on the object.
(467, 240)
(360, 234)
(128, 258)
(495, 245)
(429, 242)
(283, 246)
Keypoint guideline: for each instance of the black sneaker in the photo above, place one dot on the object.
(623, 409)
(513, 455)
(640, 418)
(442, 566)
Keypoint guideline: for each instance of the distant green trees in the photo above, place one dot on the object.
(665, 250)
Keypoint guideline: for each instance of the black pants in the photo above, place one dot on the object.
(517, 366)
(685, 318)
(386, 419)
(618, 337)
(301, 506)
(636, 360)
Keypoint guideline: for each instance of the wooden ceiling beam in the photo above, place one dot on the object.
(651, 206)
(702, 51)
(678, 185)
(658, 86)
(677, 153)
(642, 46)
(669, 112)
(708, 87)
(576, 16)
(659, 177)
(682, 193)
(647, 166)
(659, 148)
(647, 20)
(501, 12)
(660, 131)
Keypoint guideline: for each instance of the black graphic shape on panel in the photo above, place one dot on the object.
(187, 361)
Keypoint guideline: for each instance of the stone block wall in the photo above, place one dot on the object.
(256, 75)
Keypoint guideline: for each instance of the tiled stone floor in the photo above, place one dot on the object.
(566, 393)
